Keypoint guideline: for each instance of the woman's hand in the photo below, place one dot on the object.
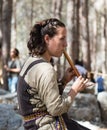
(68, 76)
(6, 68)
(79, 84)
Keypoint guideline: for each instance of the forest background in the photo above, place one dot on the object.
(86, 22)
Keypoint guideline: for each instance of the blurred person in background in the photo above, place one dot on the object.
(80, 67)
(13, 68)
(100, 83)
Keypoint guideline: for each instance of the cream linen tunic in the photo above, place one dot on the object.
(43, 81)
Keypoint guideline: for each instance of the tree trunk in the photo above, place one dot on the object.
(14, 42)
(93, 45)
(98, 42)
(85, 34)
(76, 31)
(105, 37)
(32, 6)
(88, 37)
(56, 8)
(70, 12)
(1, 3)
(7, 14)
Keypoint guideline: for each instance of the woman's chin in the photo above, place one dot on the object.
(58, 55)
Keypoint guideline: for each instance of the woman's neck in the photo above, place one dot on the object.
(46, 56)
(13, 58)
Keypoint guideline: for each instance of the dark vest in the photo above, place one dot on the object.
(25, 107)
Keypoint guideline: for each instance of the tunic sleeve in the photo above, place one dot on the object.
(56, 104)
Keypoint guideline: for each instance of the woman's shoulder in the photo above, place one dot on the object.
(37, 64)
(44, 65)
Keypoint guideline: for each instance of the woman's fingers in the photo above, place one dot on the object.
(85, 81)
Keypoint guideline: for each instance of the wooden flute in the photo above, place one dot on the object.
(88, 84)
(71, 63)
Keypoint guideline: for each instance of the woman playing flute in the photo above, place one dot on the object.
(41, 102)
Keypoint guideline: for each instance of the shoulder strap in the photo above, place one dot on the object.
(32, 64)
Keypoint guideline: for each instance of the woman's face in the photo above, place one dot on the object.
(57, 43)
(12, 54)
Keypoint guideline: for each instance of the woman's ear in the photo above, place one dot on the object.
(46, 38)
